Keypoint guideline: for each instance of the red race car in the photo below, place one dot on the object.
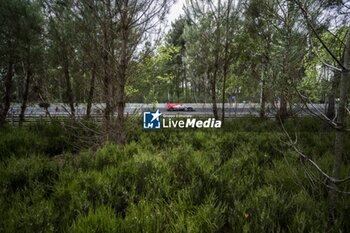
(179, 107)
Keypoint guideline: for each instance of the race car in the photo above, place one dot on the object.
(179, 107)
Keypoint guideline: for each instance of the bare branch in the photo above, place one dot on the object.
(306, 16)
(313, 163)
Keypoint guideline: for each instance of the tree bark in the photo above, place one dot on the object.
(123, 65)
(341, 123)
(178, 84)
(331, 97)
(107, 75)
(7, 95)
(223, 95)
(213, 99)
(26, 92)
(216, 65)
(213, 94)
(262, 95)
(69, 90)
(28, 71)
(91, 91)
(226, 60)
(106, 88)
(282, 112)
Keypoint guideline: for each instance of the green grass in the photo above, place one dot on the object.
(241, 178)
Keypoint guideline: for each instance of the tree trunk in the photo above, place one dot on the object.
(204, 86)
(213, 96)
(216, 66)
(69, 90)
(341, 123)
(26, 92)
(123, 65)
(262, 96)
(223, 96)
(121, 137)
(331, 98)
(226, 61)
(185, 78)
(106, 79)
(106, 89)
(282, 112)
(91, 91)
(7, 95)
(177, 85)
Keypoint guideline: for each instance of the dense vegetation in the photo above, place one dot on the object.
(85, 60)
(242, 178)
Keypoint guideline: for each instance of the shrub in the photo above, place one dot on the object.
(109, 154)
(25, 173)
(27, 211)
(68, 205)
(211, 215)
(29, 214)
(145, 216)
(224, 180)
(290, 175)
(199, 140)
(19, 142)
(38, 138)
(307, 215)
(102, 219)
(53, 135)
(261, 211)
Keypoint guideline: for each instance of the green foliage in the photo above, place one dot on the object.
(317, 80)
(156, 76)
(19, 142)
(53, 138)
(238, 179)
(100, 220)
(21, 174)
(145, 216)
(25, 184)
(31, 213)
(25, 141)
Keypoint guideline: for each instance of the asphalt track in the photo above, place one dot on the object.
(201, 109)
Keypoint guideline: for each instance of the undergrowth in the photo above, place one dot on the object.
(242, 178)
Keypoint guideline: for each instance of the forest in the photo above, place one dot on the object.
(104, 64)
